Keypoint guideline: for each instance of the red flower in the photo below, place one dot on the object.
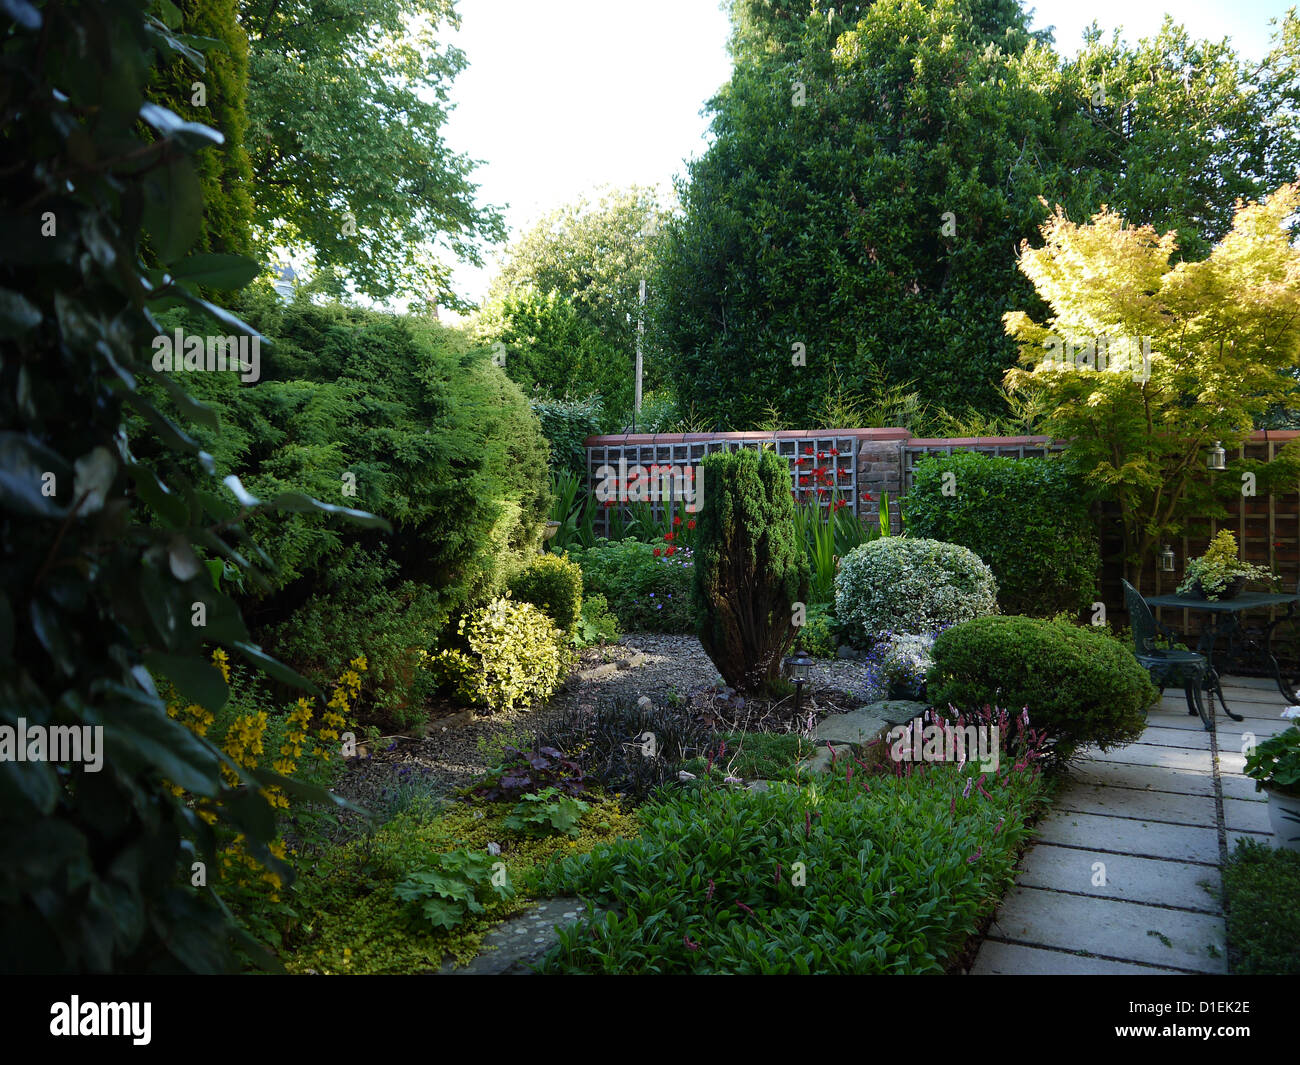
(835, 451)
(866, 496)
(677, 520)
(608, 503)
(673, 550)
(656, 552)
(821, 454)
(845, 473)
(807, 451)
(669, 536)
(691, 524)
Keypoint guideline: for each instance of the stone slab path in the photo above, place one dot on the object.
(1124, 876)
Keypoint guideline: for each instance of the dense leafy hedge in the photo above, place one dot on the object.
(566, 424)
(899, 872)
(647, 593)
(899, 584)
(105, 586)
(1080, 684)
(1025, 517)
(387, 412)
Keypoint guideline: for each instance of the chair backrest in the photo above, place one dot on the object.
(1141, 620)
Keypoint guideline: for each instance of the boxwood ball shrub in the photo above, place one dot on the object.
(512, 655)
(749, 567)
(905, 584)
(1080, 684)
(553, 584)
(1025, 517)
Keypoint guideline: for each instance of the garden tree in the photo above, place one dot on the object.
(749, 567)
(864, 185)
(1223, 333)
(595, 254)
(872, 224)
(217, 97)
(553, 352)
(346, 107)
(103, 581)
(1176, 130)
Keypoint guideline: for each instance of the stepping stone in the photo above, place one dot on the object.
(522, 941)
(1120, 835)
(1151, 755)
(861, 726)
(1149, 880)
(1123, 931)
(822, 759)
(997, 959)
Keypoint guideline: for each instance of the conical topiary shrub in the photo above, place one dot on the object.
(749, 567)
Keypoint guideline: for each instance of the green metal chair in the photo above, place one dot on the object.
(1191, 671)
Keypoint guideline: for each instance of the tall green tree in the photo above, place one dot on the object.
(873, 169)
(347, 104)
(594, 253)
(863, 190)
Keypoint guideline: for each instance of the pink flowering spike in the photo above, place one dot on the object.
(998, 827)
(690, 943)
(952, 805)
(965, 792)
(979, 853)
(778, 872)
(708, 897)
(745, 908)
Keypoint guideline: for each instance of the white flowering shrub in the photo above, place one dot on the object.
(899, 584)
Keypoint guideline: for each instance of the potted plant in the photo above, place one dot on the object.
(1219, 573)
(1274, 765)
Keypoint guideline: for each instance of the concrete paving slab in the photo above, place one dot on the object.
(1124, 931)
(1143, 778)
(1098, 874)
(1122, 835)
(1162, 757)
(1165, 806)
(1243, 788)
(998, 959)
(1241, 816)
(1258, 837)
(1161, 736)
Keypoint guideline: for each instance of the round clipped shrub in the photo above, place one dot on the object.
(513, 655)
(901, 584)
(817, 634)
(1079, 684)
(553, 584)
(1025, 517)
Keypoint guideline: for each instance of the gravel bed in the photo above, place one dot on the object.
(459, 748)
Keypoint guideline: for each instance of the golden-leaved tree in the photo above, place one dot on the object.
(1142, 364)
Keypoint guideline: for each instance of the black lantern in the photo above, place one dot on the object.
(799, 667)
(1218, 459)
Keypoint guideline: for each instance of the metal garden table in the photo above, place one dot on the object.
(1239, 645)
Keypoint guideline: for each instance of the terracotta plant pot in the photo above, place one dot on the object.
(1284, 816)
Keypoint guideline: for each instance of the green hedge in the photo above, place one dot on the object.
(395, 415)
(566, 424)
(1024, 517)
(1080, 685)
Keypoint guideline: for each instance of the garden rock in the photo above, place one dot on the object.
(861, 726)
(522, 941)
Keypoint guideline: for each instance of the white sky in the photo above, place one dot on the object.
(562, 96)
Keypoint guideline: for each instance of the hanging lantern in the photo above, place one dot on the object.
(1218, 457)
(1167, 559)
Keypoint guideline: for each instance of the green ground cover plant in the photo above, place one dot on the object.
(860, 873)
(1261, 886)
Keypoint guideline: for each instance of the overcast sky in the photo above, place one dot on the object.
(562, 96)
